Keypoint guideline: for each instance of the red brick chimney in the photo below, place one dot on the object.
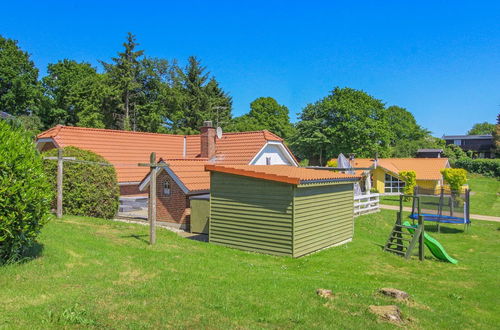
(207, 132)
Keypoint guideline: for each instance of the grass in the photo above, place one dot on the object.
(485, 196)
(93, 273)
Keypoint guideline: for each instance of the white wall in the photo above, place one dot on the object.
(276, 154)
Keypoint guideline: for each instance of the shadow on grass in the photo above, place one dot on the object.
(33, 252)
(137, 237)
(444, 230)
(198, 237)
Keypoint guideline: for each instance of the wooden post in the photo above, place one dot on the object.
(152, 204)
(421, 249)
(59, 183)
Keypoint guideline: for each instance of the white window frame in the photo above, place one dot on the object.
(166, 188)
(457, 142)
(392, 185)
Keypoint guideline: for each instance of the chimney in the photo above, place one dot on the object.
(207, 132)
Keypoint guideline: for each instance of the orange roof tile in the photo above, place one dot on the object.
(125, 149)
(283, 173)
(191, 172)
(425, 168)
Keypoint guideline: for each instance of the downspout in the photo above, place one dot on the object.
(184, 148)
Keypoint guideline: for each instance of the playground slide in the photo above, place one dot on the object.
(435, 247)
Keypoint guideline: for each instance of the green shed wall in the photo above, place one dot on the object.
(323, 216)
(251, 214)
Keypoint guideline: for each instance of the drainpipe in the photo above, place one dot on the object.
(184, 148)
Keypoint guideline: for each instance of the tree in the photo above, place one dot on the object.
(346, 121)
(64, 80)
(455, 178)
(123, 74)
(265, 113)
(482, 128)
(407, 136)
(410, 180)
(496, 138)
(19, 87)
(198, 97)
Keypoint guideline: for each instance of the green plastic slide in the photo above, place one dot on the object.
(434, 246)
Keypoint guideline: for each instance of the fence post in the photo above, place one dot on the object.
(59, 182)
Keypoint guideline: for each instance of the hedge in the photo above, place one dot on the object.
(488, 167)
(88, 189)
(25, 195)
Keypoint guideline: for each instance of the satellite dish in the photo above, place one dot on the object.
(219, 132)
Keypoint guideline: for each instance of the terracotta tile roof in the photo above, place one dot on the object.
(124, 149)
(191, 172)
(282, 173)
(425, 168)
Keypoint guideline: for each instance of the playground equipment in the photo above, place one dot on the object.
(446, 206)
(405, 236)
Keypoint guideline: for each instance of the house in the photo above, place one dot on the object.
(429, 153)
(481, 145)
(385, 172)
(186, 156)
(125, 149)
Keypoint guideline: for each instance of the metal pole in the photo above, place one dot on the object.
(59, 183)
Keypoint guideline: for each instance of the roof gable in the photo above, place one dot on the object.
(425, 168)
(125, 149)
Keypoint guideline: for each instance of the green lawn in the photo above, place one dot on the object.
(97, 273)
(485, 196)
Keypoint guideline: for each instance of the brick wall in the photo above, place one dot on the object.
(131, 190)
(174, 207)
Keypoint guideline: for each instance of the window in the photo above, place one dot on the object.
(166, 188)
(457, 142)
(268, 160)
(393, 184)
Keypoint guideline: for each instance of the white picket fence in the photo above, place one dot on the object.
(364, 204)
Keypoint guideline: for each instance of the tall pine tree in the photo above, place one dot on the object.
(123, 74)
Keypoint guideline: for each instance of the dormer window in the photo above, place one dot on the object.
(166, 188)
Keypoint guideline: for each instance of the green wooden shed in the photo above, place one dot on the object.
(279, 209)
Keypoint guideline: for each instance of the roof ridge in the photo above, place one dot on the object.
(59, 127)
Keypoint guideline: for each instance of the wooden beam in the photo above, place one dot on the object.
(59, 182)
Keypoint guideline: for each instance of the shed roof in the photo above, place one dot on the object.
(425, 168)
(283, 173)
(125, 149)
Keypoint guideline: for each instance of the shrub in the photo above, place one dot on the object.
(455, 177)
(88, 189)
(410, 179)
(488, 167)
(25, 194)
(304, 162)
(332, 163)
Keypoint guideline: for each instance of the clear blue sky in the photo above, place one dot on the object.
(440, 60)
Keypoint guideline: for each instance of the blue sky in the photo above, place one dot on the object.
(440, 60)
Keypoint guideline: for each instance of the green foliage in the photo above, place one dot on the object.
(487, 167)
(455, 178)
(482, 128)
(332, 163)
(454, 153)
(88, 189)
(346, 121)
(410, 180)
(265, 113)
(304, 162)
(19, 87)
(24, 193)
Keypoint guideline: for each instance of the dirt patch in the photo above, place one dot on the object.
(395, 293)
(325, 293)
(389, 313)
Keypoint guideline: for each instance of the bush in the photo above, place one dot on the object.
(88, 189)
(410, 179)
(332, 163)
(25, 194)
(455, 177)
(488, 167)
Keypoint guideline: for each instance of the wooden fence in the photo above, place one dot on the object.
(364, 204)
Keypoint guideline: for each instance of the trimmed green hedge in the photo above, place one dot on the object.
(88, 189)
(488, 167)
(25, 194)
